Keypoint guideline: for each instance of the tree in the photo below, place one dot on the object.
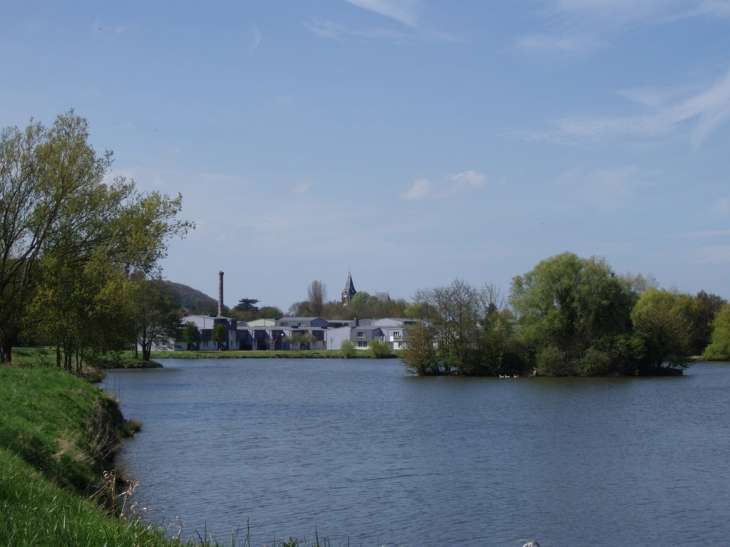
(157, 317)
(190, 334)
(667, 331)
(571, 313)
(317, 293)
(247, 304)
(81, 310)
(269, 312)
(719, 349)
(57, 208)
(219, 334)
(419, 354)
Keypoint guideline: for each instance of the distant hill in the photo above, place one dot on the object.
(192, 300)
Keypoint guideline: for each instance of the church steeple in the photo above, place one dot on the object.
(349, 291)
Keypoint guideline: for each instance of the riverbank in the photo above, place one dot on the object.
(58, 483)
(263, 354)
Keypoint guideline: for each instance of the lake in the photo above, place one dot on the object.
(364, 455)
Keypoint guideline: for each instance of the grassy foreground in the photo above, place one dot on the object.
(58, 434)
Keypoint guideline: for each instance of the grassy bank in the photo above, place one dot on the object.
(58, 434)
(46, 356)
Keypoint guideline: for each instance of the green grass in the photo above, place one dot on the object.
(57, 438)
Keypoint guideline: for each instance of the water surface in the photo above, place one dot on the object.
(357, 451)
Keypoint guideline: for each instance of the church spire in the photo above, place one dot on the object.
(349, 291)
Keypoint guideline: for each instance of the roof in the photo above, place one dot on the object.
(349, 286)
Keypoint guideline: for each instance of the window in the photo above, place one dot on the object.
(360, 335)
(397, 334)
(362, 344)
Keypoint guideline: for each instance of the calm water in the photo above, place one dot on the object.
(364, 455)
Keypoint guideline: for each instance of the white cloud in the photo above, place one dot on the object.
(405, 11)
(710, 108)
(301, 187)
(450, 185)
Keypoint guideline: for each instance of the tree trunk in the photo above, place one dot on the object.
(6, 353)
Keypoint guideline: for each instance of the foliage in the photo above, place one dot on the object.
(567, 309)
(219, 334)
(57, 210)
(157, 317)
(81, 310)
(659, 318)
(380, 349)
(246, 304)
(269, 312)
(419, 354)
(719, 349)
(190, 334)
(347, 349)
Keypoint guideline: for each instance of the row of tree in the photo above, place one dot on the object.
(78, 252)
(567, 316)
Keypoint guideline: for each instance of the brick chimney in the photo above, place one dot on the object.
(220, 294)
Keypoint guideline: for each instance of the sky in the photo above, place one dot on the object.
(408, 142)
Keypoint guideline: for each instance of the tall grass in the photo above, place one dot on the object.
(58, 486)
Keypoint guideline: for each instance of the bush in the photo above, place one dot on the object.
(348, 349)
(379, 349)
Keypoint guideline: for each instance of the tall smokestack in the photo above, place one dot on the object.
(220, 294)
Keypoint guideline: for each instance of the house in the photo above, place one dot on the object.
(362, 335)
(205, 324)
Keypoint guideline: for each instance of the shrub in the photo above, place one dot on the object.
(347, 349)
(379, 349)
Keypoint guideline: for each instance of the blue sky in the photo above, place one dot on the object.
(410, 142)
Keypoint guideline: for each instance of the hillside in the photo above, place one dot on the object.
(192, 300)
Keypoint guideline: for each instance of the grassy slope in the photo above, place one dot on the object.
(56, 432)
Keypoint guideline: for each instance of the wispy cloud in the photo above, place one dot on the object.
(254, 42)
(710, 108)
(449, 186)
(405, 11)
(331, 29)
(581, 26)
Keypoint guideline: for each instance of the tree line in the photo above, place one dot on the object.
(79, 252)
(569, 316)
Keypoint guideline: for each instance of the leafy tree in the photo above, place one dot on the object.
(219, 334)
(667, 331)
(317, 293)
(157, 317)
(81, 310)
(719, 349)
(190, 334)
(347, 349)
(570, 310)
(56, 208)
(419, 354)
